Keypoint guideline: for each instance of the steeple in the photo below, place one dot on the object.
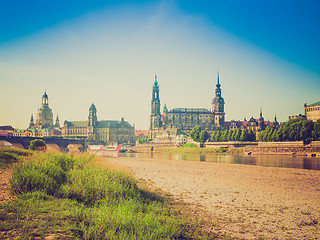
(92, 118)
(218, 104)
(45, 102)
(31, 124)
(155, 117)
(57, 125)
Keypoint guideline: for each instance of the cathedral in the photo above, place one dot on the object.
(44, 118)
(182, 120)
(105, 131)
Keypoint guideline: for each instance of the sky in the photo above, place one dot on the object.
(108, 52)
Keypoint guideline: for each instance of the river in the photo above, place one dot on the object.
(281, 161)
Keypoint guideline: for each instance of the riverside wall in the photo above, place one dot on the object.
(287, 148)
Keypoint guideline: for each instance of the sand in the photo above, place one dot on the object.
(246, 202)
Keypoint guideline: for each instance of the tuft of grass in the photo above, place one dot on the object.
(10, 155)
(67, 197)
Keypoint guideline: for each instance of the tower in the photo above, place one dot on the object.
(155, 117)
(218, 105)
(57, 125)
(31, 124)
(92, 122)
(261, 125)
(92, 118)
(44, 115)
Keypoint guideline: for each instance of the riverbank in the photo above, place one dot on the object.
(244, 201)
(59, 196)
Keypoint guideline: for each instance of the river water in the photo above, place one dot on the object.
(283, 161)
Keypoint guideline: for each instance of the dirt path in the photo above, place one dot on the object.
(244, 201)
(5, 176)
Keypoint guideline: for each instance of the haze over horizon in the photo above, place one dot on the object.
(108, 54)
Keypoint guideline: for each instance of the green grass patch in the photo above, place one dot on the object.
(10, 155)
(69, 198)
(196, 149)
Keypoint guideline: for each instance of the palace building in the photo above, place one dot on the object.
(105, 131)
(182, 120)
(312, 111)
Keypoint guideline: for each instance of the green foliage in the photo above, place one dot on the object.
(37, 144)
(10, 155)
(144, 140)
(233, 135)
(203, 136)
(72, 199)
(189, 145)
(293, 130)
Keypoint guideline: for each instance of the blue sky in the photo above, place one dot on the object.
(107, 52)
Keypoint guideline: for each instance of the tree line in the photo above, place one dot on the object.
(200, 135)
(299, 129)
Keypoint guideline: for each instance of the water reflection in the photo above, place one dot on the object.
(262, 160)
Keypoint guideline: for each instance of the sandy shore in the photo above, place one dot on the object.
(244, 201)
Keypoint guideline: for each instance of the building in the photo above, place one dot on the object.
(180, 121)
(312, 111)
(256, 125)
(105, 131)
(44, 119)
(6, 131)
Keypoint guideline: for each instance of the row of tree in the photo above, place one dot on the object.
(299, 129)
(200, 135)
(293, 130)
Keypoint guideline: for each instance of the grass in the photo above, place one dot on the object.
(10, 155)
(69, 197)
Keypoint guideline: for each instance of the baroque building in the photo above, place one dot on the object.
(105, 131)
(312, 111)
(44, 119)
(179, 121)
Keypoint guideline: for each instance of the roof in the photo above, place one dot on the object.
(189, 110)
(113, 124)
(8, 128)
(101, 124)
(77, 123)
(317, 103)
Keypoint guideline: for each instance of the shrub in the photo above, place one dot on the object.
(189, 145)
(37, 144)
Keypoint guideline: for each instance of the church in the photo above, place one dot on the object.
(105, 131)
(179, 121)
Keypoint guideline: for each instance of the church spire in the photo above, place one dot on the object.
(31, 124)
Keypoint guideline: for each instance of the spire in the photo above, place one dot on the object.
(155, 80)
(218, 82)
(31, 124)
(261, 112)
(57, 122)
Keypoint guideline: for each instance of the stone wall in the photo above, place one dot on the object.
(290, 148)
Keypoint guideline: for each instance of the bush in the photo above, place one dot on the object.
(10, 155)
(189, 145)
(70, 196)
(37, 144)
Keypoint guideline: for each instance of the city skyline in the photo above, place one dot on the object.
(108, 54)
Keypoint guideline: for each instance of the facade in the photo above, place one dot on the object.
(256, 125)
(44, 119)
(106, 131)
(180, 121)
(312, 111)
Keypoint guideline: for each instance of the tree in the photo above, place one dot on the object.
(251, 136)
(217, 137)
(237, 135)
(224, 136)
(316, 131)
(195, 133)
(37, 144)
(244, 135)
(203, 136)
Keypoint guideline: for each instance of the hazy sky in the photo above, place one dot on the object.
(107, 53)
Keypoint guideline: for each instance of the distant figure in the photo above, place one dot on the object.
(151, 149)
